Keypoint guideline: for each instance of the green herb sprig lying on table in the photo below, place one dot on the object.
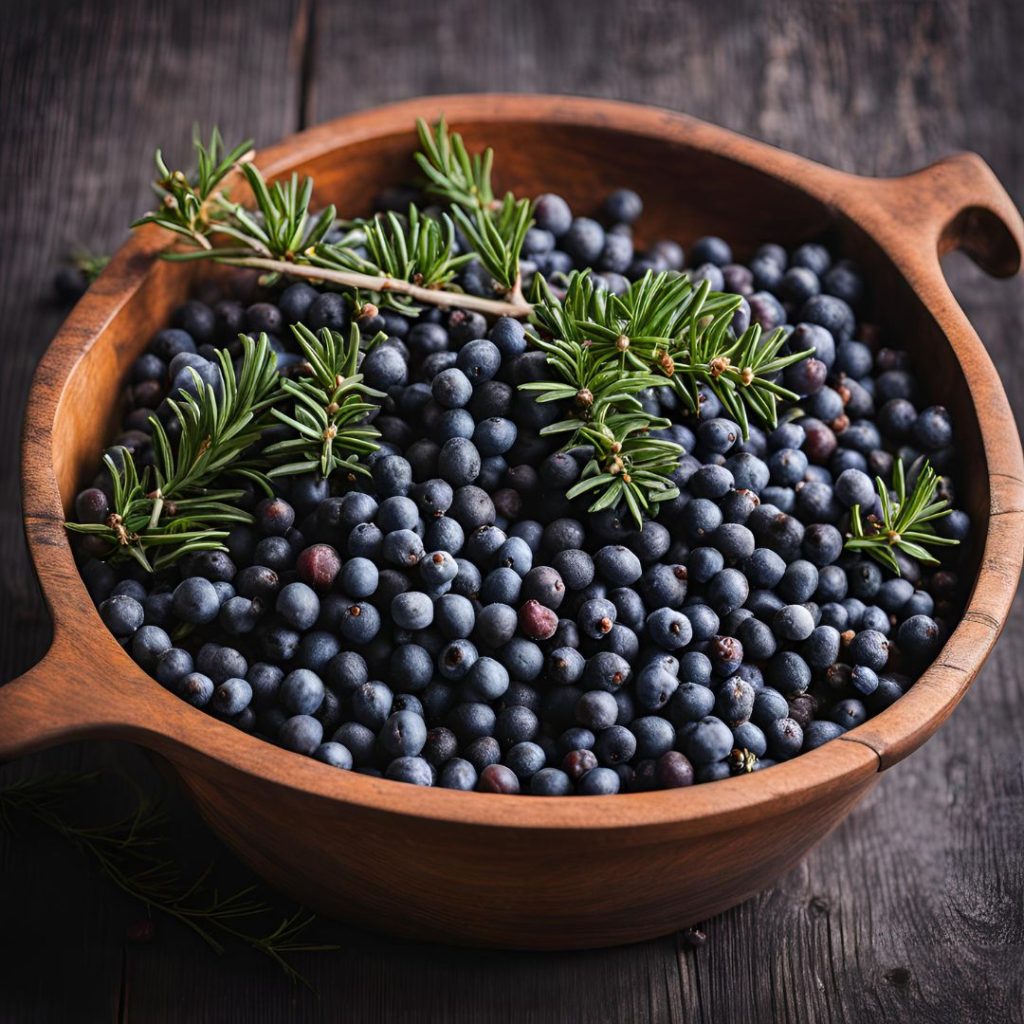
(132, 852)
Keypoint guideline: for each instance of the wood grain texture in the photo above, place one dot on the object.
(913, 909)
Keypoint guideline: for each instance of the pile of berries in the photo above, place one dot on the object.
(457, 621)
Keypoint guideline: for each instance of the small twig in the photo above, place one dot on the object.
(129, 852)
(351, 279)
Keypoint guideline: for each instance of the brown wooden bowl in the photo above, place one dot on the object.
(521, 871)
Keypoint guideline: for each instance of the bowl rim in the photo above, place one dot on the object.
(151, 715)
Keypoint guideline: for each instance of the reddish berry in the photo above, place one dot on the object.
(577, 763)
(318, 565)
(142, 930)
(536, 621)
(673, 770)
(496, 778)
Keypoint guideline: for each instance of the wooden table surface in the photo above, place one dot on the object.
(914, 909)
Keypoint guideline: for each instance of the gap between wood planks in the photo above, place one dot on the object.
(303, 50)
(122, 994)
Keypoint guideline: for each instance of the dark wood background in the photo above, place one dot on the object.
(914, 909)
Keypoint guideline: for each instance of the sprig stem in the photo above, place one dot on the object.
(518, 308)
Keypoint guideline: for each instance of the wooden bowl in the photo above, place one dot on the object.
(522, 871)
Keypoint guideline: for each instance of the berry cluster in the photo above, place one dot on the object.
(457, 620)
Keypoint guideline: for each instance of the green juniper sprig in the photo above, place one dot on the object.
(636, 324)
(218, 429)
(905, 522)
(199, 523)
(591, 381)
(419, 249)
(665, 326)
(594, 374)
(281, 228)
(189, 203)
(329, 408)
(740, 371)
(398, 262)
(285, 230)
(180, 505)
(606, 414)
(494, 229)
(628, 466)
(497, 240)
(451, 172)
(606, 350)
(131, 852)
